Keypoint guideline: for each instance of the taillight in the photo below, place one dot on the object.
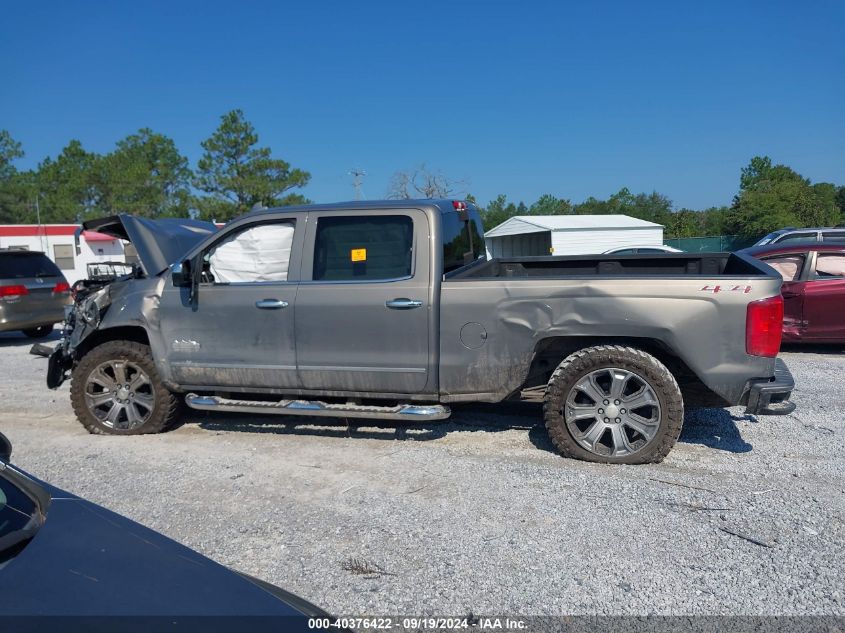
(61, 286)
(764, 326)
(13, 291)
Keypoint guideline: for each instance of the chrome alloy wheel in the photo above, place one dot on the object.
(120, 395)
(612, 412)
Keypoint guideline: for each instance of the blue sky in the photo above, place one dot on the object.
(522, 98)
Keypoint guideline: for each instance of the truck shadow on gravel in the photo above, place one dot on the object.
(714, 428)
(824, 349)
(16, 339)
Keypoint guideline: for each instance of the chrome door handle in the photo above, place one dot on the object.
(271, 304)
(403, 304)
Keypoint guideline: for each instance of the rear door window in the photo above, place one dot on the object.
(797, 237)
(22, 265)
(789, 266)
(830, 266)
(463, 242)
(837, 237)
(363, 248)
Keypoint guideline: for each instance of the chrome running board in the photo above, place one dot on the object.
(406, 412)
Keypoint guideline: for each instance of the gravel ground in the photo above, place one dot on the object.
(477, 513)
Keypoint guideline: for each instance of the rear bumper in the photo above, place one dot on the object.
(23, 317)
(771, 397)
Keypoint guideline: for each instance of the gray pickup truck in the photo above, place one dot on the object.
(390, 310)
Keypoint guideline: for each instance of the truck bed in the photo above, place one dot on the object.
(664, 264)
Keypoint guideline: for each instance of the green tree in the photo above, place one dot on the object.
(840, 203)
(548, 204)
(497, 211)
(10, 150)
(68, 187)
(145, 175)
(237, 175)
(652, 207)
(775, 196)
(593, 206)
(715, 221)
(11, 194)
(683, 223)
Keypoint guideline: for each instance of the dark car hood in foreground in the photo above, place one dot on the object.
(88, 561)
(159, 242)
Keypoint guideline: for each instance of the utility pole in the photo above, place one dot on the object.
(38, 220)
(357, 175)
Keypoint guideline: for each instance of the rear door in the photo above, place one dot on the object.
(362, 310)
(824, 298)
(240, 330)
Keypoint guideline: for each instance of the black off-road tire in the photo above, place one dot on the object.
(577, 365)
(166, 414)
(41, 331)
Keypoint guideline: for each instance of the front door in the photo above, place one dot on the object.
(239, 332)
(363, 306)
(793, 268)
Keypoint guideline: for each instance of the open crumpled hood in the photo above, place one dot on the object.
(159, 242)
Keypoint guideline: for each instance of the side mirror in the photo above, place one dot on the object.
(181, 273)
(5, 449)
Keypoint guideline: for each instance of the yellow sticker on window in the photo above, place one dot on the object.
(358, 254)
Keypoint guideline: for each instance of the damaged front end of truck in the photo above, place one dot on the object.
(122, 300)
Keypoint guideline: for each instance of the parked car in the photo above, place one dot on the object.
(61, 555)
(813, 289)
(389, 310)
(823, 234)
(33, 293)
(642, 250)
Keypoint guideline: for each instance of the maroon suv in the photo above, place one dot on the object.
(813, 289)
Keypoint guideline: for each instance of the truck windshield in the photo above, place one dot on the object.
(463, 242)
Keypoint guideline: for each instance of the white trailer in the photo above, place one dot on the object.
(71, 249)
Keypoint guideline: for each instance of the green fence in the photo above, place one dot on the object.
(713, 244)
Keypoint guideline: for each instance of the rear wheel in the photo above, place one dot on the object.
(116, 390)
(613, 404)
(38, 332)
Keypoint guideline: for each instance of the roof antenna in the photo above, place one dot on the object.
(357, 176)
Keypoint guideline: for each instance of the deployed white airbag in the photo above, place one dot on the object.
(261, 253)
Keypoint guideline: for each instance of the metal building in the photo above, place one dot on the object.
(534, 235)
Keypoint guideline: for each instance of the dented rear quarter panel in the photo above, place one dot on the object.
(704, 329)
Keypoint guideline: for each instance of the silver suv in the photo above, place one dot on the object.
(836, 235)
(33, 293)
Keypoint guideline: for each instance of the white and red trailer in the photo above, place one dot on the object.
(71, 248)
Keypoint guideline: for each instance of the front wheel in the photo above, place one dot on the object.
(613, 404)
(116, 390)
